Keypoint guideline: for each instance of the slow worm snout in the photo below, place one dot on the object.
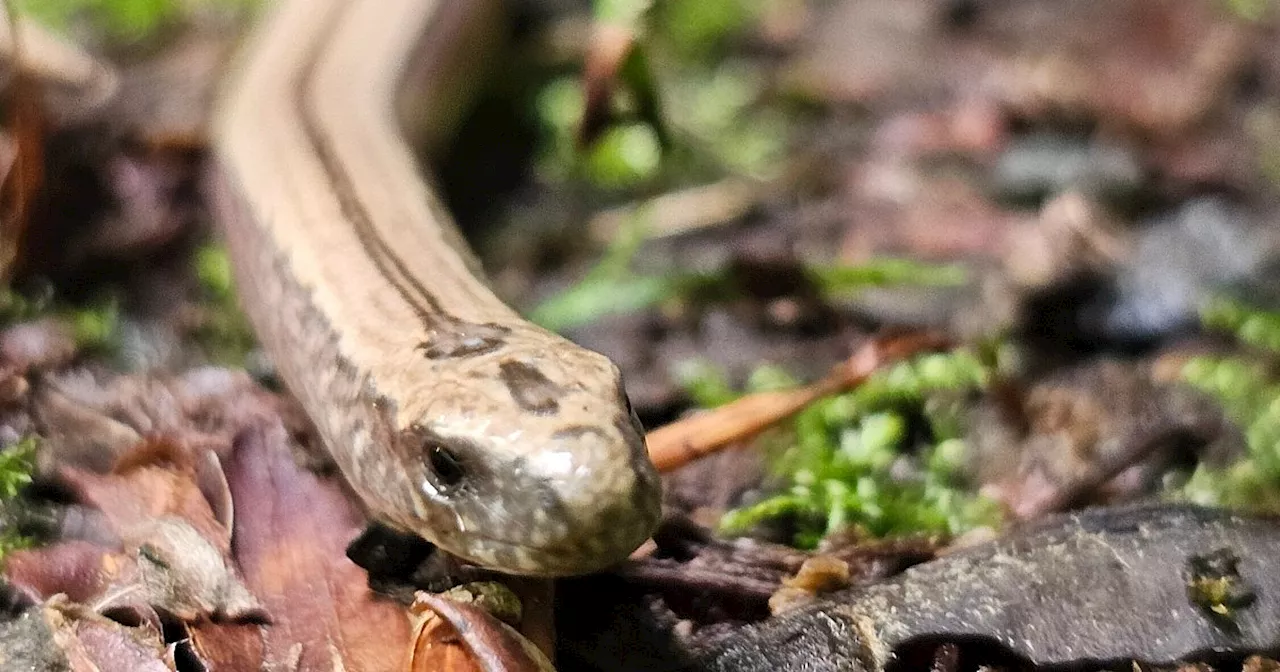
(449, 415)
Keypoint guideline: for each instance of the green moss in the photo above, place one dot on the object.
(17, 463)
(611, 287)
(1251, 10)
(1248, 389)
(223, 332)
(838, 464)
(124, 20)
(96, 327)
(1251, 325)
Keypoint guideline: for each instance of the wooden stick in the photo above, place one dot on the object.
(685, 440)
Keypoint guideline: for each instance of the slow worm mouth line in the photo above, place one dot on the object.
(355, 279)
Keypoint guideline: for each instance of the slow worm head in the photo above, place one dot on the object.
(449, 415)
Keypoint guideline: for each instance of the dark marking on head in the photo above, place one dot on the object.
(468, 340)
(577, 431)
(530, 389)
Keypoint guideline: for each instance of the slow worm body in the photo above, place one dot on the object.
(449, 415)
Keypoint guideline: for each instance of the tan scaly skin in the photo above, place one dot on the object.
(449, 415)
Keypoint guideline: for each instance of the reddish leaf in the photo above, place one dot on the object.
(78, 569)
(291, 532)
(57, 635)
(226, 647)
(458, 637)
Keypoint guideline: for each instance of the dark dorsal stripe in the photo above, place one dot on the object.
(389, 265)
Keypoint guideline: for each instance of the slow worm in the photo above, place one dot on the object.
(449, 415)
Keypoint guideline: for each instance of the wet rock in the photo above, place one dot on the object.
(1178, 259)
(1101, 588)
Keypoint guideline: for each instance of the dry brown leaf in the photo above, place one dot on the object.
(76, 434)
(78, 569)
(226, 646)
(181, 552)
(139, 493)
(452, 636)
(291, 532)
(60, 636)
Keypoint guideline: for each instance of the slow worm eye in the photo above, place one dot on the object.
(446, 465)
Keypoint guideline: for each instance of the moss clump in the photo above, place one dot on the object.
(17, 462)
(1249, 390)
(851, 460)
(222, 331)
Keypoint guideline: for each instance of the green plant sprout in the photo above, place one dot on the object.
(611, 287)
(223, 331)
(850, 460)
(17, 463)
(681, 113)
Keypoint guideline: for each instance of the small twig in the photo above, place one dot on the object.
(609, 47)
(1098, 474)
(681, 442)
(683, 211)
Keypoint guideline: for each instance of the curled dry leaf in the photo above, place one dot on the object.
(93, 422)
(78, 434)
(452, 636)
(78, 569)
(178, 547)
(166, 565)
(60, 636)
(212, 482)
(225, 646)
(140, 493)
